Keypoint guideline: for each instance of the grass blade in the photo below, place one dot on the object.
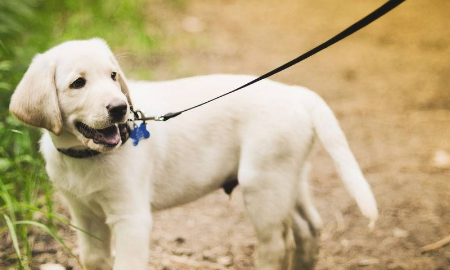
(51, 233)
(58, 218)
(15, 240)
(4, 194)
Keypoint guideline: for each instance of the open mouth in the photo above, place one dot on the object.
(109, 136)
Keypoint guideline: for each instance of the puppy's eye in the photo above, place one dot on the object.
(113, 75)
(78, 83)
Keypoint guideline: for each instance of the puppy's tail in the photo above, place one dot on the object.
(333, 139)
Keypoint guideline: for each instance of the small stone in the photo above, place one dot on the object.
(441, 159)
(166, 263)
(51, 266)
(38, 215)
(345, 242)
(180, 240)
(182, 251)
(192, 25)
(207, 255)
(225, 260)
(368, 261)
(400, 233)
(397, 266)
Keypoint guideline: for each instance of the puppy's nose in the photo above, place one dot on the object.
(117, 110)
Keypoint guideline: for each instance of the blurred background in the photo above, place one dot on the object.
(389, 85)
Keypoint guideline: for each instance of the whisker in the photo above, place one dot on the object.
(124, 54)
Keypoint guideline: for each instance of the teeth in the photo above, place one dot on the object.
(85, 130)
(84, 127)
(107, 135)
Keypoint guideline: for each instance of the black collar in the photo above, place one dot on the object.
(87, 153)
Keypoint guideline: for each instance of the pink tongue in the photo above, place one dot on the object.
(109, 135)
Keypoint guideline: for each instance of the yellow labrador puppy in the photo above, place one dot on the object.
(259, 137)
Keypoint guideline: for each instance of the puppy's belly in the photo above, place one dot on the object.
(168, 195)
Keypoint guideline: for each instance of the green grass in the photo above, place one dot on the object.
(119, 22)
(26, 28)
(22, 183)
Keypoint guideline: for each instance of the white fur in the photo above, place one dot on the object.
(261, 136)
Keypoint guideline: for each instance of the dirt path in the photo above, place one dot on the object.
(389, 85)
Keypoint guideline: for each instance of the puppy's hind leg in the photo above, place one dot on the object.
(306, 225)
(268, 198)
(304, 202)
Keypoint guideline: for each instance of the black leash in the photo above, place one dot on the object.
(391, 4)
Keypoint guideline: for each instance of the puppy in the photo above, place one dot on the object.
(259, 138)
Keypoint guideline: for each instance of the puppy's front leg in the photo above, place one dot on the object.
(126, 204)
(132, 235)
(95, 252)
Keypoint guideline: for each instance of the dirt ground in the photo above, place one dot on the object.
(389, 85)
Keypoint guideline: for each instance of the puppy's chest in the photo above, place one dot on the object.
(81, 178)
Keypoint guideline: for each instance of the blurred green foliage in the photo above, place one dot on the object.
(28, 27)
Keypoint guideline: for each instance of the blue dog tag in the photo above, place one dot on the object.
(139, 133)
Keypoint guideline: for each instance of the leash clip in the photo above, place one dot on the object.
(159, 118)
(138, 115)
(135, 115)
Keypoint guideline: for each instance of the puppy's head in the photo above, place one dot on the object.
(75, 87)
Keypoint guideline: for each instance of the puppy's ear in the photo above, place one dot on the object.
(35, 100)
(122, 81)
